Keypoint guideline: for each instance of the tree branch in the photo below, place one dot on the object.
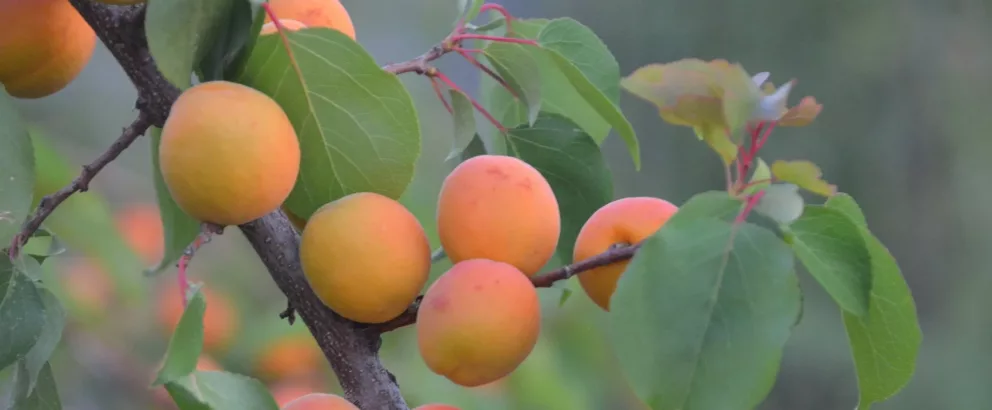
(48, 204)
(545, 280)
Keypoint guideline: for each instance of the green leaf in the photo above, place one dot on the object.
(468, 10)
(761, 173)
(781, 202)
(232, 36)
(22, 314)
(179, 228)
(16, 170)
(475, 147)
(740, 99)
(702, 313)
(186, 342)
(716, 137)
(43, 245)
(217, 390)
(830, 245)
(885, 344)
(573, 165)
(51, 334)
(566, 293)
(44, 395)
(463, 114)
(558, 95)
(803, 173)
(518, 67)
(181, 32)
(358, 127)
(590, 67)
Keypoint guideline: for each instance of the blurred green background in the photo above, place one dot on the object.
(906, 112)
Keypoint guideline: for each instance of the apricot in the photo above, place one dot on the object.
(44, 45)
(500, 208)
(478, 322)
(229, 154)
(314, 13)
(623, 221)
(284, 393)
(288, 24)
(88, 285)
(366, 256)
(320, 401)
(220, 319)
(141, 226)
(290, 356)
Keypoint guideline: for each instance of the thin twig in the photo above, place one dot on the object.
(478, 107)
(492, 74)
(440, 95)
(545, 280)
(48, 204)
(207, 231)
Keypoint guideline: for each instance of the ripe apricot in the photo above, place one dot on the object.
(220, 319)
(500, 208)
(229, 154)
(288, 391)
(366, 256)
(141, 226)
(478, 322)
(290, 356)
(623, 221)
(314, 13)
(320, 401)
(288, 24)
(44, 45)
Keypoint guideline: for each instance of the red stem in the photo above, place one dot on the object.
(501, 10)
(440, 95)
(752, 201)
(468, 57)
(497, 39)
(447, 81)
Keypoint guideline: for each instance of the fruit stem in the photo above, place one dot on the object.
(207, 230)
(752, 201)
(440, 95)
(492, 74)
(482, 110)
(501, 10)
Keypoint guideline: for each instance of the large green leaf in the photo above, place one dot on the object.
(216, 390)
(829, 244)
(22, 313)
(181, 32)
(16, 169)
(516, 65)
(232, 38)
(186, 342)
(357, 125)
(178, 227)
(574, 166)
(886, 342)
(48, 340)
(463, 114)
(43, 396)
(701, 315)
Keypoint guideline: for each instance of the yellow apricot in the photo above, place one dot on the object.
(314, 13)
(320, 401)
(500, 208)
(229, 154)
(44, 45)
(623, 221)
(366, 256)
(478, 322)
(288, 24)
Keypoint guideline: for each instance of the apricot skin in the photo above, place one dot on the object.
(314, 13)
(500, 208)
(288, 24)
(289, 357)
(44, 45)
(366, 256)
(623, 221)
(320, 401)
(478, 322)
(229, 154)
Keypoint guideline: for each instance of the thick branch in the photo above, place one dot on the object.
(48, 204)
(545, 280)
(351, 350)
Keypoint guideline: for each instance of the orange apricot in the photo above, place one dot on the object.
(366, 256)
(288, 24)
(287, 392)
(88, 285)
(141, 226)
(220, 319)
(314, 13)
(478, 322)
(623, 221)
(229, 153)
(500, 208)
(320, 401)
(290, 356)
(44, 45)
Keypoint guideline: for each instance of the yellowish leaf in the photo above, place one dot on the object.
(804, 174)
(802, 114)
(717, 138)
